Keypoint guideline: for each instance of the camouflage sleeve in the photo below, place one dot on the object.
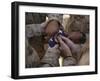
(51, 57)
(69, 61)
(31, 57)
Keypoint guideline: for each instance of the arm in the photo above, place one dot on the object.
(66, 53)
(51, 57)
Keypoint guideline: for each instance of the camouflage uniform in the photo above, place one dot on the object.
(51, 58)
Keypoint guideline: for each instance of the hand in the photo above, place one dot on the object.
(64, 48)
(72, 45)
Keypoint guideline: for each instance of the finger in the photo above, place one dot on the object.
(67, 40)
(60, 48)
(56, 46)
(71, 44)
(62, 43)
(65, 49)
(59, 39)
(64, 38)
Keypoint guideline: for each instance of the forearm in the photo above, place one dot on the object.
(51, 58)
(69, 61)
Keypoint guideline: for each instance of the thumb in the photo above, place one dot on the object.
(56, 46)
